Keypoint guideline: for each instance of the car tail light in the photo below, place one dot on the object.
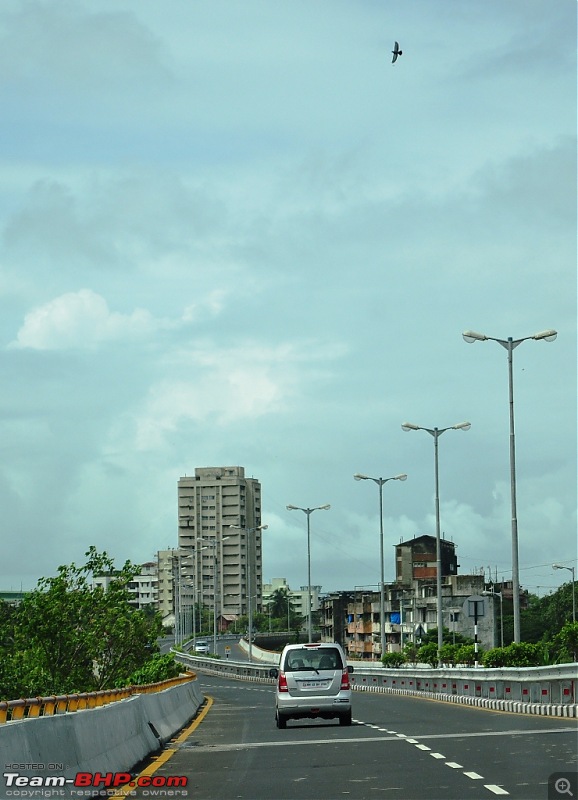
(282, 687)
(345, 680)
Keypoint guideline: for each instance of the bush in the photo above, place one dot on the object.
(466, 654)
(448, 653)
(428, 654)
(393, 660)
(496, 657)
(158, 668)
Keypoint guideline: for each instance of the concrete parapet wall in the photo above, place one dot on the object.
(550, 691)
(113, 738)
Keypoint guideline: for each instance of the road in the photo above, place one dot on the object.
(398, 747)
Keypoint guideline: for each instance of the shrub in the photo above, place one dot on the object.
(466, 654)
(428, 654)
(524, 654)
(158, 668)
(496, 657)
(448, 653)
(393, 660)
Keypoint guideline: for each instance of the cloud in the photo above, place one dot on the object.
(228, 385)
(63, 43)
(80, 320)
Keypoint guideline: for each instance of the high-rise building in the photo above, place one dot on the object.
(219, 513)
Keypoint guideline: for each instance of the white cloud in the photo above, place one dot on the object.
(80, 320)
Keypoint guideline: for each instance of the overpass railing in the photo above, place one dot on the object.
(547, 690)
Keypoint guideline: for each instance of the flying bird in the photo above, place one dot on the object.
(396, 52)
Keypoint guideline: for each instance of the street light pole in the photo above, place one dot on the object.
(573, 571)
(308, 512)
(436, 433)
(380, 481)
(249, 531)
(212, 545)
(510, 344)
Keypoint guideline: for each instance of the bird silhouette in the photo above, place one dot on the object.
(396, 52)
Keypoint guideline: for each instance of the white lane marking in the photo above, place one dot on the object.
(411, 741)
(474, 776)
(453, 765)
(423, 747)
(495, 789)
(436, 755)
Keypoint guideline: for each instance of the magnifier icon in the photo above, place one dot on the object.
(562, 786)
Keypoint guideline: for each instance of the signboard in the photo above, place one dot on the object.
(474, 606)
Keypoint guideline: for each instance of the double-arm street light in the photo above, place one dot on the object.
(436, 433)
(250, 553)
(573, 571)
(309, 511)
(380, 481)
(510, 345)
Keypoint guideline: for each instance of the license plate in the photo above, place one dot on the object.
(312, 684)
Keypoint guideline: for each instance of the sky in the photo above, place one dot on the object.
(235, 233)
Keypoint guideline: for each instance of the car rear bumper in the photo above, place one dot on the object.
(311, 707)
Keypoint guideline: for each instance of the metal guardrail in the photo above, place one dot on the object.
(25, 708)
(536, 690)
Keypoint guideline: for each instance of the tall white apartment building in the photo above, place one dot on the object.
(222, 564)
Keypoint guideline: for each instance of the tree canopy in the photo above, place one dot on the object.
(70, 634)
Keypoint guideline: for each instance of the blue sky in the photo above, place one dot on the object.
(234, 233)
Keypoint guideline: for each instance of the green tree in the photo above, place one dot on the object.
(71, 635)
(565, 645)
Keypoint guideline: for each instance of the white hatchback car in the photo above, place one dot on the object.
(201, 647)
(312, 681)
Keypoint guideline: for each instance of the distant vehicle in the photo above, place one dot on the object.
(201, 647)
(312, 681)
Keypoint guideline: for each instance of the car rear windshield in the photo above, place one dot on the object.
(313, 659)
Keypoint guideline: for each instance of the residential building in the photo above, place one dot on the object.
(410, 612)
(333, 621)
(219, 516)
(144, 587)
(415, 559)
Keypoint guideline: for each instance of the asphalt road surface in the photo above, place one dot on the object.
(398, 748)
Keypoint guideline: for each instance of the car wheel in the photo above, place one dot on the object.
(345, 719)
(281, 721)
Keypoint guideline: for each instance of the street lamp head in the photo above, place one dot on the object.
(326, 507)
(262, 527)
(409, 426)
(359, 477)
(473, 336)
(548, 336)
(292, 508)
(462, 426)
(402, 477)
